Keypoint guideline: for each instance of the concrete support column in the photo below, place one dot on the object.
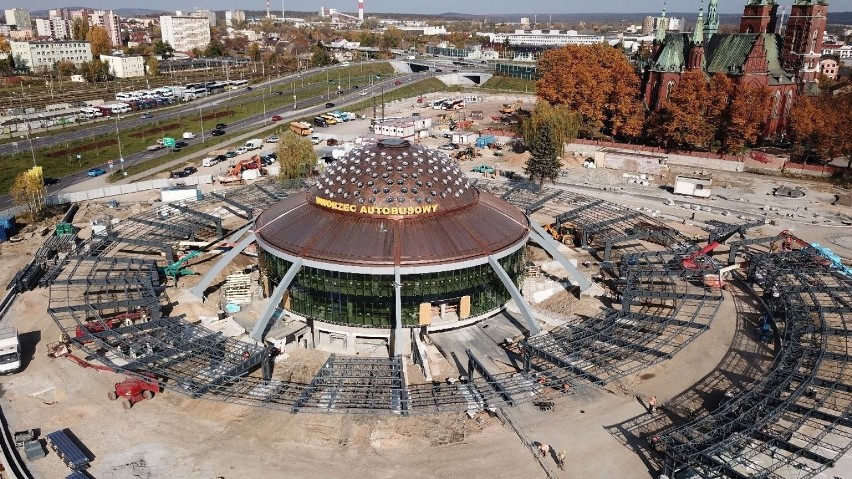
(398, 337)
(204, 282)
(275, 300)
(526, 311)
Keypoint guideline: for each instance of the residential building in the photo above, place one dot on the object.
(650, 24)
(19, 17)
(840, 51)
(525, 22)
(125, 66)
(829, 66)
(210, 15)
(756, 56)
(63, 13)
(185, 33)
(56, 28)
(232, 16)
(423, 30)
(110, 22)
(42, 56)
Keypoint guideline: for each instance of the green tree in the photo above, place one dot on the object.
(79, 29)
(163, 49)
(214, 49)
(28, 192)
(562, 123)
(544, 162)
(296, 156)
(95, 71)
(320, 56)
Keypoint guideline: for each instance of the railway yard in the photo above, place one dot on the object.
(727, 311)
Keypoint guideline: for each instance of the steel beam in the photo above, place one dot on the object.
(475, 365)
(248, 211)
(274, 300)
(570, 215)
(526, 311)
(538, 235)
(129, 303)
(210, 219)
(204, 282)
(601, 224)
(178, 231)
(398, 341)
(169, 252)
(273, 195)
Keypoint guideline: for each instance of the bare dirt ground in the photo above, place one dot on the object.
(175, 436)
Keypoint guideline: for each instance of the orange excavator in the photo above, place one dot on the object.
(235, 174)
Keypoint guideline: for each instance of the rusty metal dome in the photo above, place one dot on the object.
(392, 203)
(394, 177)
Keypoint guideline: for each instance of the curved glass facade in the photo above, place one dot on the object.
(354, 299)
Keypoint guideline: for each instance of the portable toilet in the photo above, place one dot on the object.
(7, 227)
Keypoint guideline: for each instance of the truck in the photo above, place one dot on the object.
(254, 144)
(10, 350)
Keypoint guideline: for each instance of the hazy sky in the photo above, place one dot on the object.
(482, 7)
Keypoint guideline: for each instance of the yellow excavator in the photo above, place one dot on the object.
(561, 234)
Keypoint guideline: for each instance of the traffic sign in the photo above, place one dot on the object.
(169, 142)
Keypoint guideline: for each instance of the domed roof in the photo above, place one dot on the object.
(389, 204)
(393, 178)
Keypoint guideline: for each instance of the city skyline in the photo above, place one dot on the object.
(495, 7)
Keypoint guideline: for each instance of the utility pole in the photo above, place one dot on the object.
(118, 138)
(201, 122)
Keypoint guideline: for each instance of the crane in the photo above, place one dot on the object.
(690, 261)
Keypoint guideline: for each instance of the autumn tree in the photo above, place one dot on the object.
(320, 56)
(544, 162)
(681, 121)
(718, 100)
(562, 123)
(66, 67)
(153, 66)
(296, 156)
(597, 81)
(820, 124)
(254, 52)
(4, 45)
(28, 192)
(95, 71)
(99, 39)
(743, 118)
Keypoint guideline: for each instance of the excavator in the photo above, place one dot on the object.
(561, 234)
(511, 108)
(235, 174)
(176, 270)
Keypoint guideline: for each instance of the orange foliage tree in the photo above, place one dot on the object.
(821, 124)
(595, 81)
(682, 122)
(744, 118)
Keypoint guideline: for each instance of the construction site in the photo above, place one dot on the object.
(400, 316)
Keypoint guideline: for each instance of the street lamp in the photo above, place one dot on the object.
(201, 122)
(118, 137)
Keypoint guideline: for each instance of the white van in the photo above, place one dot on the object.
(254, 144)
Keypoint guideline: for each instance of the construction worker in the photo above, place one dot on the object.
(560, 459)
(652, 404)
(543, 449)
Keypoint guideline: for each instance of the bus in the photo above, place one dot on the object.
(236, 84)
(301, 128)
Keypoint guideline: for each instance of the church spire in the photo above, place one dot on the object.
(698, 34)
(711, 24)
(662, 23)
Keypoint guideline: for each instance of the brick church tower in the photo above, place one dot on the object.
(759, 16)
(803, 38)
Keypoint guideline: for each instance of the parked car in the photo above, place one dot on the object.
(221, 126)
(95, 172)
(190, 170)
(329, 105)
(276, 117)
(178, 174)
(218, 132)
(242, 150)
(315, 140)
(482, 169)
(230, 154)
(331, 142)
(272, 139)
(448, 146)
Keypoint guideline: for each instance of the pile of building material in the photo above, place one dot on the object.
(237, 289)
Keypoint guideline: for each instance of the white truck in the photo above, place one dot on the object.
(188, 135)
(10, 350)
(254, 144)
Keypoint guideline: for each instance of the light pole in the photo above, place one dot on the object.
(118, 137)
(327, 87)
(201, 123)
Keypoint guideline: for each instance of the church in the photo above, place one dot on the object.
(782, 58)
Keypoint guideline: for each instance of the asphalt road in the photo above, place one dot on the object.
(316, 105)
